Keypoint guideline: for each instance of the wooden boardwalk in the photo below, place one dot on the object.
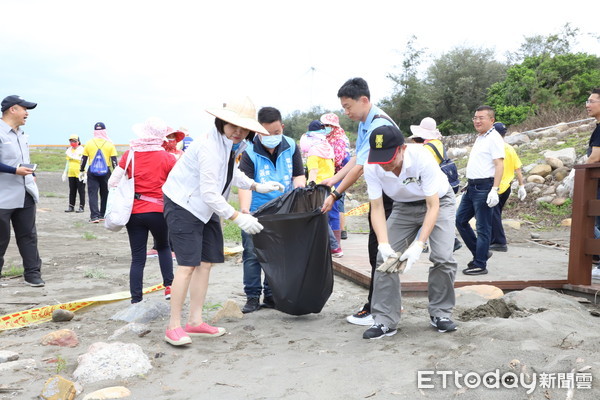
(525, 264)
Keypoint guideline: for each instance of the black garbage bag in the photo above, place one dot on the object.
(293, 249)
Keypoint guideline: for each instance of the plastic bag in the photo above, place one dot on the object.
(120, 200)
(293, 249)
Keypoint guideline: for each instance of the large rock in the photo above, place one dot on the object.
(558, 201)
(554, 162)
(113, 392)
(567, 156)
(541, 170)
(63, 338)
(105, 361)
(58, 388)
(24, 364)
(229, 310)
(61, 315)
(544, 199)
(517, 139)
(535, 179)
(560, 174)
(143, 312)
(7, 355)
(455, 152)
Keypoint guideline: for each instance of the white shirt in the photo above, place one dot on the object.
(420, 176)
(486, 149)
(196, 181)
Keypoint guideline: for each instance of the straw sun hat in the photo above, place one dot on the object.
(240, 112)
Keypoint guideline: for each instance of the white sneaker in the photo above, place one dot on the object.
(596, 273)
(362, 317)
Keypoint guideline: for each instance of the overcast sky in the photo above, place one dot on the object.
(121, 62)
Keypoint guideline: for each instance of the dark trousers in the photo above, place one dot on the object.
(97, 184)
(137, 228)
(23, 222)
(253, 270)
(498, 236)
(474, 204)
(388, 205)
(76, 186)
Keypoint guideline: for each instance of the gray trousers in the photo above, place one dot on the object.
(403, 224)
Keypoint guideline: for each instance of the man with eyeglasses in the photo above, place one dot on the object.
(592, 106)
(484, 173)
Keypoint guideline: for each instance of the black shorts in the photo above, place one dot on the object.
(192, 240)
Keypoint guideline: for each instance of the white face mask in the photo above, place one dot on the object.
(271, 141)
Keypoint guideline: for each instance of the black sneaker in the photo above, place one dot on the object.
(378, 331)
(457, 244)
(252, 304)
(443, 324)
(363, 318)
(70, 209)
(471, 264)
(35, 282)
(499, 247)
(344, 235)
(268, 302)
(80, 209)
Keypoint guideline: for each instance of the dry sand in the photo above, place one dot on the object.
(271, 355)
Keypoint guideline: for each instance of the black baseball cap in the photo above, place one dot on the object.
(384, 141)
(10, 101)
(99, 126)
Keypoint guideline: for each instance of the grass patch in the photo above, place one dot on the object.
(48, 158)
(208, 308)
(78, 224)
(13, 270)
(89, 236)
(231, 232)
(564, 210)
(95, 273)
(531, 218)
(52, 194)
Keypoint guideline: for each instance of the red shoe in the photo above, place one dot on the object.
(152, 253)
(204, 330)
(337, 253)
(168, 293)
(177, 337)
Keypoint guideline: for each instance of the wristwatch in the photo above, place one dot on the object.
(336, 194)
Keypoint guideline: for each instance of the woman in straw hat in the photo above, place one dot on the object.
(194, 203)
(151, 165)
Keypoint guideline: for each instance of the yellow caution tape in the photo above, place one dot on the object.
(360, 210)
(44, 314)
(231, 251)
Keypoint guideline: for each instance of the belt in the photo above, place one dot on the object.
(478, 181)
(149, 199)
(414, 203)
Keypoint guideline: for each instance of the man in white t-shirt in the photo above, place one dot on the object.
(423, 200)
(484, 173)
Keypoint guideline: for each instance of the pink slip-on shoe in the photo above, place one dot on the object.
(205, 330)
(177, 337)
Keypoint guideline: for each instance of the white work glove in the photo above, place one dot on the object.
(522, 193)
(492, 198)
(83, 176)
(268, 187)
(386, 251)
(248, 223)
(64, 177)
(412, 254)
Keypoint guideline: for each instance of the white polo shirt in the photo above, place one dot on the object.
(486, 149)
(419, 177)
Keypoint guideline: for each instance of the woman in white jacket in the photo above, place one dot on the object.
(195, 202)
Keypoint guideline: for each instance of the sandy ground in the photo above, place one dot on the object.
(271, 355)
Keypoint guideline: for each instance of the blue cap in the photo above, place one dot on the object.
(99, 126)
(500, 128)
(315, 126)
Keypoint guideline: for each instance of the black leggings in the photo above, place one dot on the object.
(137, 228)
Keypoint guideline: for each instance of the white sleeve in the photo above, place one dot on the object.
(211, 158)
(374, 189)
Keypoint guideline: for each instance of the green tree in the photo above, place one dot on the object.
(458, 83)
(297, 122)
(410, 101)
(550, 45)
(544, 82)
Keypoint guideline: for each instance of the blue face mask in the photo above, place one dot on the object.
(327, 130)
(272, 141)
(236, 146)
